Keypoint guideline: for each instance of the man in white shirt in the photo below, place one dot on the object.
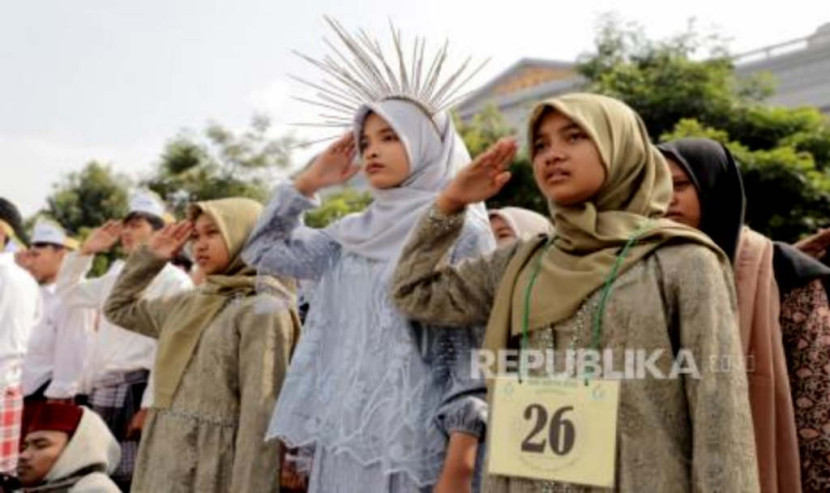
(20, 308)
(120, 370)
(58, 346)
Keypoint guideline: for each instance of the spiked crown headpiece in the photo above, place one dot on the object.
(362, 75)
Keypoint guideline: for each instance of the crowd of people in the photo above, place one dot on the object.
(156, 378)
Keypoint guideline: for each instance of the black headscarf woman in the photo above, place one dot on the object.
(717, 179)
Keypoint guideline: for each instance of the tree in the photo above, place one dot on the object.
(784, 152)
(687, 86)
(221, 163)
(787, 194)
(666, 80)
(86, 199)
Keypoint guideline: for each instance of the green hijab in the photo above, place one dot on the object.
(235, 218)
(633, 199)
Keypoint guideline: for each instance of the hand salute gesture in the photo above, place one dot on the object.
(102, 239)
(481, 179)
(169, 241)
(333, 166)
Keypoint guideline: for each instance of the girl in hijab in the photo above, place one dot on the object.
(388, 404)
(223, 351)
(783, 313)
(513, 223)
(608, 189)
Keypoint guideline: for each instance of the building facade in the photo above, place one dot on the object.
(801, 69)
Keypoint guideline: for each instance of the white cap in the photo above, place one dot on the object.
(48, 231)
(147, 202)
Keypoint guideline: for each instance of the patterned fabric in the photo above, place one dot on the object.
(375, 393)
(210, 439)
(677, 435)
(11, 413)
(805, 324)
(117, 405)
(341, 472)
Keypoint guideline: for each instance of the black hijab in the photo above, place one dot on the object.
(720, 190)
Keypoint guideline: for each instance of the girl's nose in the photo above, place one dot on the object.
(370, 151)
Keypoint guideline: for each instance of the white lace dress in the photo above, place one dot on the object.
(375, 394)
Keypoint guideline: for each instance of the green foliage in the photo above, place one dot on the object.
(218, 164)
(337, 205)
(787, 194)
(784, 152)
(483, 129)
(86, 199)
(687, 86)
(221, 163)
(664, 80)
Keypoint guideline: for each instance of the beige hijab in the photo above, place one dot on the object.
(634, 198)
(235, 219)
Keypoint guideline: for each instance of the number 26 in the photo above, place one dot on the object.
(561, 432)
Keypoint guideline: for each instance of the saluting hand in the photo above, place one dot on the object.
(169, 241)
(481, 179)
(102, 239)
(333, 166)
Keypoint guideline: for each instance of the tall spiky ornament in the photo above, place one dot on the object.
(359, 73)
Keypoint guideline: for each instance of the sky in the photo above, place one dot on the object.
(113, 80)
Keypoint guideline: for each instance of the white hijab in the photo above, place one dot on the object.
(524, 222)
(436, 153)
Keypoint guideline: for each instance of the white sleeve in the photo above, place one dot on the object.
(77, 292)
(74, 330)
(21, 308)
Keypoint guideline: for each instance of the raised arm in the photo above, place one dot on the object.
(126, 305)
(74, 333)
(74, 290)
(452, 295)
(280, 244)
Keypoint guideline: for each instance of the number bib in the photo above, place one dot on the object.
(557, 430)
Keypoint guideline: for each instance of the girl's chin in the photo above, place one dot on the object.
(381, 183)
(564, 201)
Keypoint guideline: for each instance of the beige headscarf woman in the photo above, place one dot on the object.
(235, 218)
(634, 198)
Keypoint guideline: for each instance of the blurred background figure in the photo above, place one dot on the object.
(20, 308)
(67, 449)
(58, 347)
(514, 223)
